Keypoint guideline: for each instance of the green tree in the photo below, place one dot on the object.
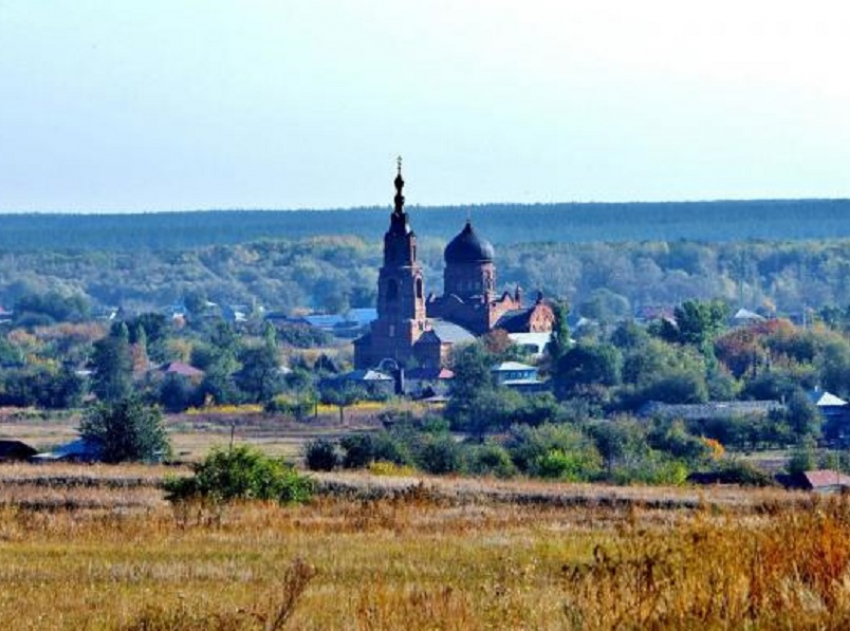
(587, 364)
(112, 364)
(155, 329)
(834, 366)
(126, 430)
(475, 398)
(221, 364)
(52, 307)
(621, 442)
(605, 306)
(41, 386)
(260, 377)
(342, 395)
(560, 342)
(176, 392)
(697, 322)
(803, 416)
(680, 386)
(472, 366)
(629, 335)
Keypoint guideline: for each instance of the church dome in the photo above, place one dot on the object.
(468, 247)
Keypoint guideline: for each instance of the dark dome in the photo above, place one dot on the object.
(468, 247)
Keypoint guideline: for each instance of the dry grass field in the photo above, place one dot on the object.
(194, 434)
(97, 547)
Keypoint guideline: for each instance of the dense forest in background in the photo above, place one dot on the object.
(600, 280)
(719, 221)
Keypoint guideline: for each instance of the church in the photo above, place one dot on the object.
(413, 329)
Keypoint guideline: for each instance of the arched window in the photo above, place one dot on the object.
(392, 290)
(419, 288)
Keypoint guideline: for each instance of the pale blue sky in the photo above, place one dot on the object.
(119, 105)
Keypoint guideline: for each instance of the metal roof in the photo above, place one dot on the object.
(450, 333)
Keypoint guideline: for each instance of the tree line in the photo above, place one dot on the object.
(711, 221)
(602, 281)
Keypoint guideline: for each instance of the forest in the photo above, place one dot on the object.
(711, 221)
(600, 280)
(606, 260)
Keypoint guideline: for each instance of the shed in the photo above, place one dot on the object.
(825, 481)
(80, 450)
(11, 450)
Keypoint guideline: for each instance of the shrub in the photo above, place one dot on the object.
(734, 471)
(655, 467)
(441, 455)
(321, 455)
(387, 448)
(358, 449)
(491, 459)
(241, 473)
(554, 451)
(557, 464)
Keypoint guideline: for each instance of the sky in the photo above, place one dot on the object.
(155, 105)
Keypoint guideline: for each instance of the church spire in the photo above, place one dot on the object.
(399, 184)
(398, 218)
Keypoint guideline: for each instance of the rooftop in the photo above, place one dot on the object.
(468, 247)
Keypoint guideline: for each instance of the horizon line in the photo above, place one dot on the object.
(187, 210)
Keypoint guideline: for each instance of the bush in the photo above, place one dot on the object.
(654, 467)
(555, 451)
(358, 449)
(361, 450)
(734, 471)
(490, 459)
(441, 455)
(388, 448)
(321, 455)
(557, 464)
(241, 473)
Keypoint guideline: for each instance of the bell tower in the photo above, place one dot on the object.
(401, 294)
(400, 284)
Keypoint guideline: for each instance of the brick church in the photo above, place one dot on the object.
(413, 329)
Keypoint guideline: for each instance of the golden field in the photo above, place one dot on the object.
(194, 433)
(97, 547)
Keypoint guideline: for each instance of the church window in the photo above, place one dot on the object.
(392, 330)
(419, 288)
(392, 290)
